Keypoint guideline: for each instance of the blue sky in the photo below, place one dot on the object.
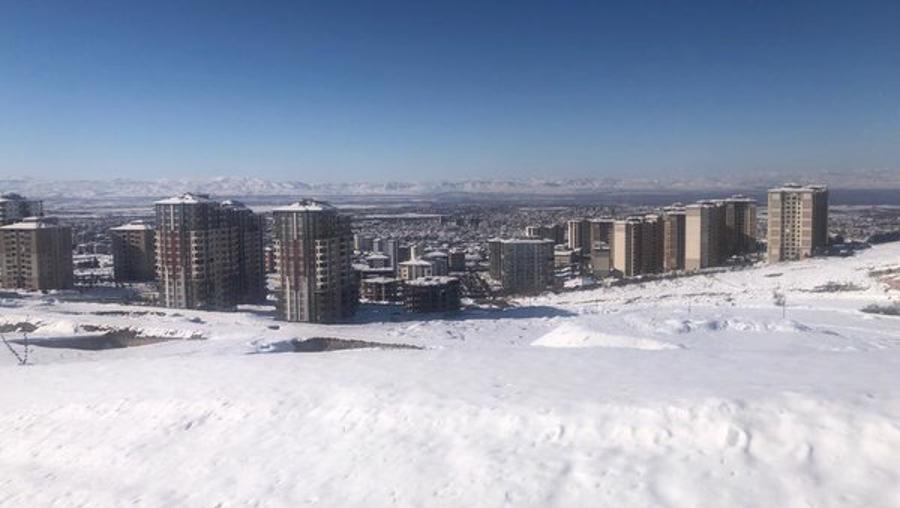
(380, 90)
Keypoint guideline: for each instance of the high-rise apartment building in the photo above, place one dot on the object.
(554, 233)
(251, 282)
(739, 226)
(134, 252)
(580, 235)
(627, 243)
(703, 224)
(314, 245)
(601, 245)
(197, 253)
(14, 208)
(392, 250)
(652, 243)
(798, 222)
(522, 265)
(457, 261)
(673, 238)
(36, 254)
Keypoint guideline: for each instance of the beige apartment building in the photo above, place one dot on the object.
(134, 252)
(314, 247)
(627, 242)
(798, 222)
(703, 223)
(36, 254)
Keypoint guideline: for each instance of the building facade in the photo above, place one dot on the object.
(251, 282)
(415, 268)
(134, 252)
(197, 254)
(703, 235)
(314, 247)
(627, 243)
(579, 235)
(36, 254)
(552, 232)
(739, 229)
(673, 238)
(652, 244)
(382, 289)
(432, 294)
(522, 265)
(798, 222)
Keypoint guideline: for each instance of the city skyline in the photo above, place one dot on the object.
(408, 91)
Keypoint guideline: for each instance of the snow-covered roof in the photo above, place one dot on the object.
(233, 203)
(414, 262)
(431, 281)
(188, 198)
(136, 225)
(33, 223)
(306, 205)
(521, 240)
(435, 254)
(377, 256)
(793, 187)
(380, 280)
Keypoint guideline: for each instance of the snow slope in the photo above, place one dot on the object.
(687, 392)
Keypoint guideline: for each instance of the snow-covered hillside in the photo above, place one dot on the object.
(687, 392)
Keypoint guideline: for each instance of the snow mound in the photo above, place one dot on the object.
(732, 324)
(576, 335)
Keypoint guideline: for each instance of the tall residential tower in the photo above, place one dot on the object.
(314, 246)
(798, 222)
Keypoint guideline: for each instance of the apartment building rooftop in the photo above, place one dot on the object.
(431, 281)
(414, 262)
(793, 187)
(520, 240)
(306, 205)
(188, 198)
(136, 225)
(29, 223)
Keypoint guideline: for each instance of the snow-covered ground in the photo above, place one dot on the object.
(686, 392)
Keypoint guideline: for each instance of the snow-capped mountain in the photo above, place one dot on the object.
(250, 186)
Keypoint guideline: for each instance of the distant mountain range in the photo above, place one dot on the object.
(245, 186)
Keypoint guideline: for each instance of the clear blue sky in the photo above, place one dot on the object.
(375, 90)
